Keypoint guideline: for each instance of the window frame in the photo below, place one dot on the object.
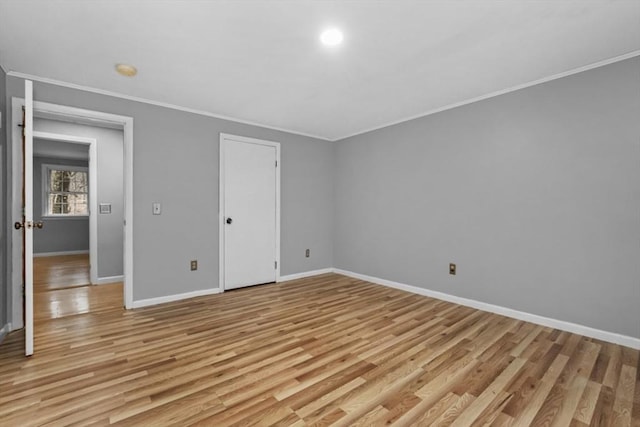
(46, 174)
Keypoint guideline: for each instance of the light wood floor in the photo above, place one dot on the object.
(327, 350)
(60, 272)
(61, 288)
(77, 300)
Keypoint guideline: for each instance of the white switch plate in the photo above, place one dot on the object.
(157, 208)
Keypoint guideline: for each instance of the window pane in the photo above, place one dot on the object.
(55, 180)
(68, 181)
(78, 182)
(64, 181)
(68, 204)
(68, 192)
(55, 204)
(77, 204)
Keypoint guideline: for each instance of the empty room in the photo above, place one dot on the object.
(306, 213)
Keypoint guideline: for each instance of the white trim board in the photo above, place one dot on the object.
(304, 274)
(109, 279)
(170, 298)
(177, 297)
(587, 331)
(60, 253)
(496, 93)
(567, 73)
(156, 103)
(87, 116)
(504, 311)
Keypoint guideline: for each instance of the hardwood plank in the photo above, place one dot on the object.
(452, 413)
(501, 382)
(587, 404)
(623, 403)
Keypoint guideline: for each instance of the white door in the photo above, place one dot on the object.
(27, 218)
(249, 189)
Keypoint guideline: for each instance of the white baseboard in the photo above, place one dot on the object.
(305, 274)
(45, 254)
(110, 279)
(611, 337)
(176, 297)
(4, 331)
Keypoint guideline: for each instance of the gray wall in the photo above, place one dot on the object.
(4, 282)
(110, 153)
(176, 163)
(58, 234)
(534, 194)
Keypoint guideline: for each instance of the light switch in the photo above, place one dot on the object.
(157, 208)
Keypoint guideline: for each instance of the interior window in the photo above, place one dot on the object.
(67, 191)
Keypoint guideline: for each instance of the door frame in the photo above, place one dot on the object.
(14, 245)
(93, 191)
(221, 204)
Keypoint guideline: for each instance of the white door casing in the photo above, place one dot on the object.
(249, 211)
(27, 224)
(14, 241)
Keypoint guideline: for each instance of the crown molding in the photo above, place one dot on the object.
(156, 103)
(497, 93)
(588, 67)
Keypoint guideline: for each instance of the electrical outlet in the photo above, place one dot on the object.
(194, 265)
(452, 269)
(307, 253)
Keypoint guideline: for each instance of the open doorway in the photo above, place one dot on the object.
(81, 242)
(21, 291)
(61, 195)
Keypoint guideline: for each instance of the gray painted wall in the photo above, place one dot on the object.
(534, 194)
(176, 163)
(4, 282)
(58, 234)
(110, 148)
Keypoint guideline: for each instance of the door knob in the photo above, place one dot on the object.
(28, 224)
(229, 220)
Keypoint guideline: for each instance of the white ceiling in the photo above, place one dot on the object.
(261, 61)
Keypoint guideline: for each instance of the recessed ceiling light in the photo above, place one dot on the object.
(126, 70)
(331, 37)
